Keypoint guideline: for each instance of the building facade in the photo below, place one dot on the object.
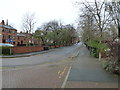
(8, 34)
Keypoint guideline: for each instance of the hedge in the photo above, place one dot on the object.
(5, 50)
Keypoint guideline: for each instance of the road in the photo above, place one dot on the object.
(46, 70)
(57, 68)
(55, 55)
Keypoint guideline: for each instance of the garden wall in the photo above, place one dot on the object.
(26, 49)
(52, 46)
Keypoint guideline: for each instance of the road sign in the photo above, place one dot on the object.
(10, 40)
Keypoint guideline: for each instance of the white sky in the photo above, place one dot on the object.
(45, 10)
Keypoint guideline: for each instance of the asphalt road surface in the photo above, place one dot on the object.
(53, 56)
(57, 68)
(46, 70)
(87, 72)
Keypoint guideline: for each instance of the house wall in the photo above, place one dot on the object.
(7, 32)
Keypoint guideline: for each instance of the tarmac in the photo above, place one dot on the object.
(87, 72)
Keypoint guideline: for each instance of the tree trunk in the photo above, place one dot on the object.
(99, 56)
(119, 31)
(100, 51)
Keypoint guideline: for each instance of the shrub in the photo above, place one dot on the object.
(112, 66)
(95, 47)
(94, 52)
(113, 62)
(5, 50)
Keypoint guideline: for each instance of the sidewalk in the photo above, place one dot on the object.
(27, 54)
(87, 72)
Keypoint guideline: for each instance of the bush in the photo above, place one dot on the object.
(113, 62)
(5, 50)
(94, 52)
(95, 47)
(31, 44)
(46, 47)
(112, 66)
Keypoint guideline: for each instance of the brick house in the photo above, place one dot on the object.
(7, 32)
(19, 39)
(24, 38)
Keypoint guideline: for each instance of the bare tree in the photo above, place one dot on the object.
(114, 10)
(28, 22)
(101, 17)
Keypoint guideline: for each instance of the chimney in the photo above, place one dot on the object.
(26, 31)
(3, 23)
(7, 22)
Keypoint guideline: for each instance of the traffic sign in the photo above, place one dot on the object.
(10, 40)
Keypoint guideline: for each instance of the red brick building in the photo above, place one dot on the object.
(24, 39)
(18, 39)
(7, 32)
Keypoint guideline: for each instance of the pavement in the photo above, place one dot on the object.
(27, 54)
(87, 72)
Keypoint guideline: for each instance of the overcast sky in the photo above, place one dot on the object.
(45, 10)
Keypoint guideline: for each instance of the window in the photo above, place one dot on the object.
(13, 31)
(9, 36)
(18, 38)
(3, 41)
(3, 30)
(14, 43)
(13, 37)
(9, 30)
(3, 36)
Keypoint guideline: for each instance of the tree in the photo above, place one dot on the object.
(86, 24)
(52, 26)
(114, 11)
(41, 35)
(54, 33)
(101, 18)
(28, 22)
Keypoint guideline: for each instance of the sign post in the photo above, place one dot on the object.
(10, 41)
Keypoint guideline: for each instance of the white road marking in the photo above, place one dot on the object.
(65, 81)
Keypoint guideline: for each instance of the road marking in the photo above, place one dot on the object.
(59, 72)
(65, 81)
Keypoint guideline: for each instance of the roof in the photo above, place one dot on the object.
(6, 26)
(21, 35)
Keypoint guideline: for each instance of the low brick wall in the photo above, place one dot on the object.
(61, 45)
(57, 46)
(26, 49)
(52, 46)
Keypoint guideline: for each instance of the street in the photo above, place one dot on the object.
(46, 70)
(55, 55)
(60, 44)
(60, 68)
